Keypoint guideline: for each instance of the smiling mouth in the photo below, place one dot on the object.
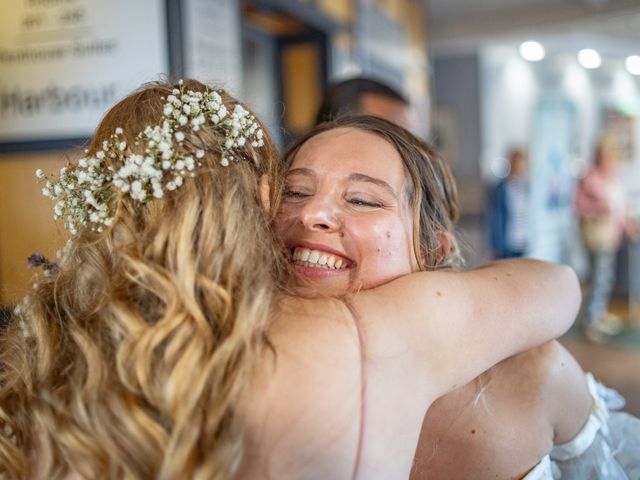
(317, 259)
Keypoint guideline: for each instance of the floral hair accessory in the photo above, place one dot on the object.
(37, 260)
(84, 194)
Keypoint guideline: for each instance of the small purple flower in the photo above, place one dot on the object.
(37, 260)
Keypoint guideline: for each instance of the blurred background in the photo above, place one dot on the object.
(547, 77)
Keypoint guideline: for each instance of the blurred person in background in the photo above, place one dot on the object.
(601, 206)
(508, 210)
(365, 96)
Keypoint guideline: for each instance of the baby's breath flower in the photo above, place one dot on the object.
(85, 195)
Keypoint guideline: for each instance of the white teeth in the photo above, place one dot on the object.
(315, 258)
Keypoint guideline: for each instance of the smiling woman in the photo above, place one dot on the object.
(353, 182)
(349, 194)
(346, 180)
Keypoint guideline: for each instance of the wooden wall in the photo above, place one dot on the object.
(26, 219)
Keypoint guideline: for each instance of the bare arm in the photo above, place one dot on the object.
(455, 325)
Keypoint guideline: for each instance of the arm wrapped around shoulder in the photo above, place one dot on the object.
(459, 324)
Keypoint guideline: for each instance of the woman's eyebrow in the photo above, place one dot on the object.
(307, 172)
(361, 177)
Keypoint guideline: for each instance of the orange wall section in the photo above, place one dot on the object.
(26, 220)
(302, 89)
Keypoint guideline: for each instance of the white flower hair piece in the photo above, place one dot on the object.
(84, 194)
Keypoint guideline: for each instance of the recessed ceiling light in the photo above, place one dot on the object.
(633, 64)
(532, 51)
(589, 58)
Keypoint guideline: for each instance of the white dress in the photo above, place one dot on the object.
(607, 447)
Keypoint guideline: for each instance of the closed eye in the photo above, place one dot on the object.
(365, 203)
(295, 194)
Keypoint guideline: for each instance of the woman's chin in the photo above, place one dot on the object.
(321, 282)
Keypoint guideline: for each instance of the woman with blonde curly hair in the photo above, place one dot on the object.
(165, 347)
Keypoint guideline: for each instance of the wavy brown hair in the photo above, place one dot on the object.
(431, 192)
(130, 361)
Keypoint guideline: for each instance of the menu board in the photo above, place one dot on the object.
(63, 63)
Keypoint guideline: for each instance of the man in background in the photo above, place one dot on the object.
(508, 210)
(362, 95)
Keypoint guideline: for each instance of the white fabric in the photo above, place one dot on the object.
(542, 471)
(583, 440)
(607, 447)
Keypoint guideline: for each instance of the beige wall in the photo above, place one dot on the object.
(26, 219)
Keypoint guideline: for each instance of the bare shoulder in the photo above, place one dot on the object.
(304, 410)
(567, 394)
(302, 407)
(554, 378)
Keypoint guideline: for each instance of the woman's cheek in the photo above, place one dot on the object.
(280, 228)
(284, 219)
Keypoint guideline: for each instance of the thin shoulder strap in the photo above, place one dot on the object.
(363, 383)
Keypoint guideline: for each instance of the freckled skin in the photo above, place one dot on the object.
(368, 222)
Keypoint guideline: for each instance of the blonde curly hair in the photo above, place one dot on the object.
(129, 362)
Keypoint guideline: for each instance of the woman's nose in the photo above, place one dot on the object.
(320, 215)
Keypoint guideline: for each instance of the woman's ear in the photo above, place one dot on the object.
(264, 192)
(444, 245)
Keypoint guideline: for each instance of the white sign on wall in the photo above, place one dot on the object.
(212, 42)
(63, 63)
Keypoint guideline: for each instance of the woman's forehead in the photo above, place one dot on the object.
(348, 148)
